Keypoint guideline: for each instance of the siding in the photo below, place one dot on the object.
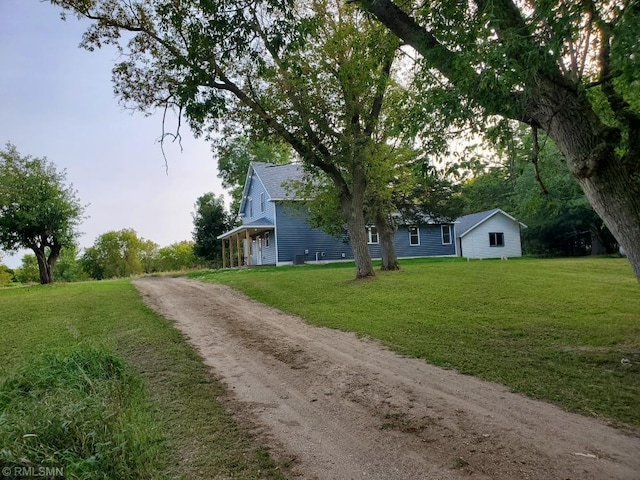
(254, 190)
(430, 243)
(475, 244)
(295, 237)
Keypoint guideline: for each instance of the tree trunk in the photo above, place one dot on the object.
(46, 276)
(611, 184)
(352, 205)
(386, 233)
(616, 198)
(354, 217)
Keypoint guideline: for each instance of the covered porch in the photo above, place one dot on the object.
(238, 247)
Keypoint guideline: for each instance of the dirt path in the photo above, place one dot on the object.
(347, 408)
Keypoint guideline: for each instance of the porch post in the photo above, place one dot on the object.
(224, 255)
(239, 250)
(230, 253)
(246, 236)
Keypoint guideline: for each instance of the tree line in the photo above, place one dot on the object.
(39, 211)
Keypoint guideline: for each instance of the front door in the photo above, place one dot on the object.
(257, 251)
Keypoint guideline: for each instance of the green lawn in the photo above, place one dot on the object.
(93, 381)
(554, 329)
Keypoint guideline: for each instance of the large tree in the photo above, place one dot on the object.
(38, 211)
(210, 219)
(312, 73)
(569, 69)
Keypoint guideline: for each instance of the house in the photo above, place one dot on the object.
(275, 232)
(489, 234)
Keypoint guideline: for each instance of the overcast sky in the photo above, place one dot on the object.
(57, 101)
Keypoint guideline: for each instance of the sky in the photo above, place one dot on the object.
(57, 101)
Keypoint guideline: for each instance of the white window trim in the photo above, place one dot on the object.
(417, 234)
(442, 235)
(266, 239)
(369, 236)
(496, 245)
(250, 207)
(262, 202)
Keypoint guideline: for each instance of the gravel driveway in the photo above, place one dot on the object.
(343, 407)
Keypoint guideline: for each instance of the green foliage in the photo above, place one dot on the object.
(119, 254)
(178, 256)
(554, 329)
(7, 275)
(28, 271)
(68, 268)
(37, 210)
(210, 220)
(80, 411)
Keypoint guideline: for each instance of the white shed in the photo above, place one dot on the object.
(490, 234)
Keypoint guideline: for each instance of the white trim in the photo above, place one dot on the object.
(369, 241)
(498, 210)
(275, 229)
(496, 239)
(442, 234)
(409, 232)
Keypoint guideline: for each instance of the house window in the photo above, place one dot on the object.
(251, 207)
(372, 235)
(262, 202)
(414, 236)
(496, 239)
(266, 239)
(446, 234)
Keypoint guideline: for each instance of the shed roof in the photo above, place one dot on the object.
(467, 223)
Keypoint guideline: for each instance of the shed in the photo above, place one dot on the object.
(489, 234)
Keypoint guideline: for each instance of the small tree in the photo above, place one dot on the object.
(28, 271)
(177, 256)
(37, 210)
(210, 220)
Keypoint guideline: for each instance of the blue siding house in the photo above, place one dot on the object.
(275, 232)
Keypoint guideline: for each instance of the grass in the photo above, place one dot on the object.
(554, 329)
(96, 383)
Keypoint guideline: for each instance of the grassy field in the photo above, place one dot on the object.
(96, 383)
(567, 331)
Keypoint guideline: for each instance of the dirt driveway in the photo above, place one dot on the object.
(347, 408)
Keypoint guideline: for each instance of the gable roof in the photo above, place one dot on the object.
(467, 223)
(273, 176)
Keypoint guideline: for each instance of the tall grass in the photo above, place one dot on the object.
(84, 411)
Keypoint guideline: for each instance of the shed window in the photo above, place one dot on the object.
(266, 239)
(372, 235)
(496, 239)
(414, 236)
(446, 234)
(262, 202)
